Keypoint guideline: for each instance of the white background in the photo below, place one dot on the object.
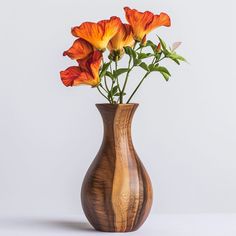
(183, 130)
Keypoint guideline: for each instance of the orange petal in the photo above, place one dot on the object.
(69, 75)
(79, 50)
(159, 20)
(95, 65)
(144, 22)
(138, 21)
(123, 38)
(74, 76)
(86, 73)
(91, 65)
(98, 34)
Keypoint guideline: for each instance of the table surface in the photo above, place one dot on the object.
(158, 225)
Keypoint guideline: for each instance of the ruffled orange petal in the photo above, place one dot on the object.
(123, 38)
(144, 22)
(69, 75)
(79, 50)
(159, 20)
(86, 73)
(98, 34)
(95, 65)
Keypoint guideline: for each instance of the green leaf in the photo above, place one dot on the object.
(109, 74)
(163, 46)
(152, 45)
(175, 56)
(161, 69)
(137, 62)
(118, 94)
(104, 69)
(165, 73)
(113, 91)
(120, 71)
(151, 67)
(144, 66)
(176, 61)
(130, 52)
(144, 55)
(166, 76)
(158, 56)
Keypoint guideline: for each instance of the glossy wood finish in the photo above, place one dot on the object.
(116, 192)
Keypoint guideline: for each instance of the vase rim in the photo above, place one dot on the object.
(118, 104)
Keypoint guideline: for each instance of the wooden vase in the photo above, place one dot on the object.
(116, 193)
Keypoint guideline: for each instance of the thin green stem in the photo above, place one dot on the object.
(102, 93)
(153, 59)
(127, 75)
(105, 78)
(117, 79)
(112, 84)
(137, 87)
(103, 88)
(126, 80)
(162, 58)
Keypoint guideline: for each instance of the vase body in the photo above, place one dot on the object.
(116, 192)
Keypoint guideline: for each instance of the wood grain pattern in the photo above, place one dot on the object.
(116, 193)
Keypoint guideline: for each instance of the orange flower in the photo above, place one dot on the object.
(86, 73)
(98, 34)
(79, 50)
(123, 38)
(144, 23)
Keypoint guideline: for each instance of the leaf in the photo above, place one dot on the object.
(166, 76)
(158, 56)
(120, 71)
(118, 94)
(137, 62)
(165, 73)
(113, 91)
(151, 67)
(161, 69)
(152, 45)
(174, 56)
(144, 66)
(109, 74)
(176, 61)
(163, 46)
(104, 69)
(130, 52)
(144, 55)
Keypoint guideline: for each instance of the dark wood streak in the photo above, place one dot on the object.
(116, 193)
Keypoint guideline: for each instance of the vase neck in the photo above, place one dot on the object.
(117, 119)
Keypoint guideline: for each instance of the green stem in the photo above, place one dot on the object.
(105, 78)
(103, 88)
(137, 87)
(153, 60)
(141, 49)
(117, 80)
(126, 80)
(102, 93)
(162, 58)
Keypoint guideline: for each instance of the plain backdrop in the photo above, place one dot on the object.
(184, 131)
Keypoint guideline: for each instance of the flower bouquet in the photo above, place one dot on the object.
(116, 192)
